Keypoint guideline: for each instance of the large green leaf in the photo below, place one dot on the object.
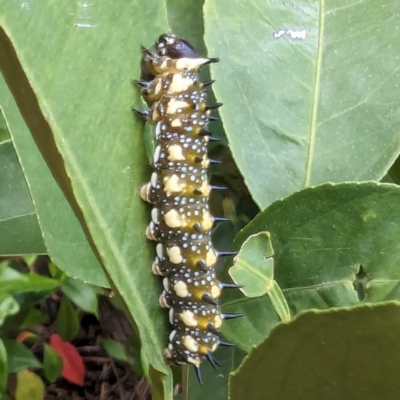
(62, 232)
(321, 236)
(19, 228)
(70, 78)
(186, 20)
(330, 355)
(330, 230)
(299, 112)
(69, 67)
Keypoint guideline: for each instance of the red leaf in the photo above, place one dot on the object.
(73, 367)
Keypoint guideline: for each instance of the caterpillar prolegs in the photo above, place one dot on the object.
(179, 191)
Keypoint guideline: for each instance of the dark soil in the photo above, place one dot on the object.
(106, 378)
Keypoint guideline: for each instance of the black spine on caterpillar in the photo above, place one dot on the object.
(179, 192)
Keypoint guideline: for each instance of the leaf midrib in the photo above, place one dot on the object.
(315, 104)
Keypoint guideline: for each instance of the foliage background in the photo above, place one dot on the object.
(297, 112)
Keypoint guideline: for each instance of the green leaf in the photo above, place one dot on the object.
(19, 228)
(215, 382)
(13, 281)
(299, 111)
(67, 321)
(253, 267)
(76, 100)
(29, 386)
(260, 318)
(82, 294)
(19, 356)
(62, 233)
(52, 363)
(321, 236)
(349, 353)
(3, 368)
(115, 350)
(186, 20)
(8, 306)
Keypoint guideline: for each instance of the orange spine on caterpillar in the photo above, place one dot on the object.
(179, 191)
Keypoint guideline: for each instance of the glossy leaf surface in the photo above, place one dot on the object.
(332, 354)
(307, 96)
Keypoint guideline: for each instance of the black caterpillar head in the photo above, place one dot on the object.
(169, 45)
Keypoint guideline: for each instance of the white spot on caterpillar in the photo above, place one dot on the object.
(156, 154)
(188, 318)
(191, 63)
(165, 282)
(170, 39)
(154, 215)
(179, 84)
(157, 130)
(205, 188)
(175, 153)
(211, 258)
(205, 161)
(215, 291)
(176, 123)
(171, 316)
(155, 268)
(150, 231)
(190, 343)
(207, 221)
(144, 192)
(158, 87)
(174, 254)
(175, 105)
(181, 289)
(160, 251)
(163, 301)
(155, 115)
(174, 220)
(153, 179)
(173, 184)
(172, 335)
(217, 321)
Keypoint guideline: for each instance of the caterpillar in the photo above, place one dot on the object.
(179, 191)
